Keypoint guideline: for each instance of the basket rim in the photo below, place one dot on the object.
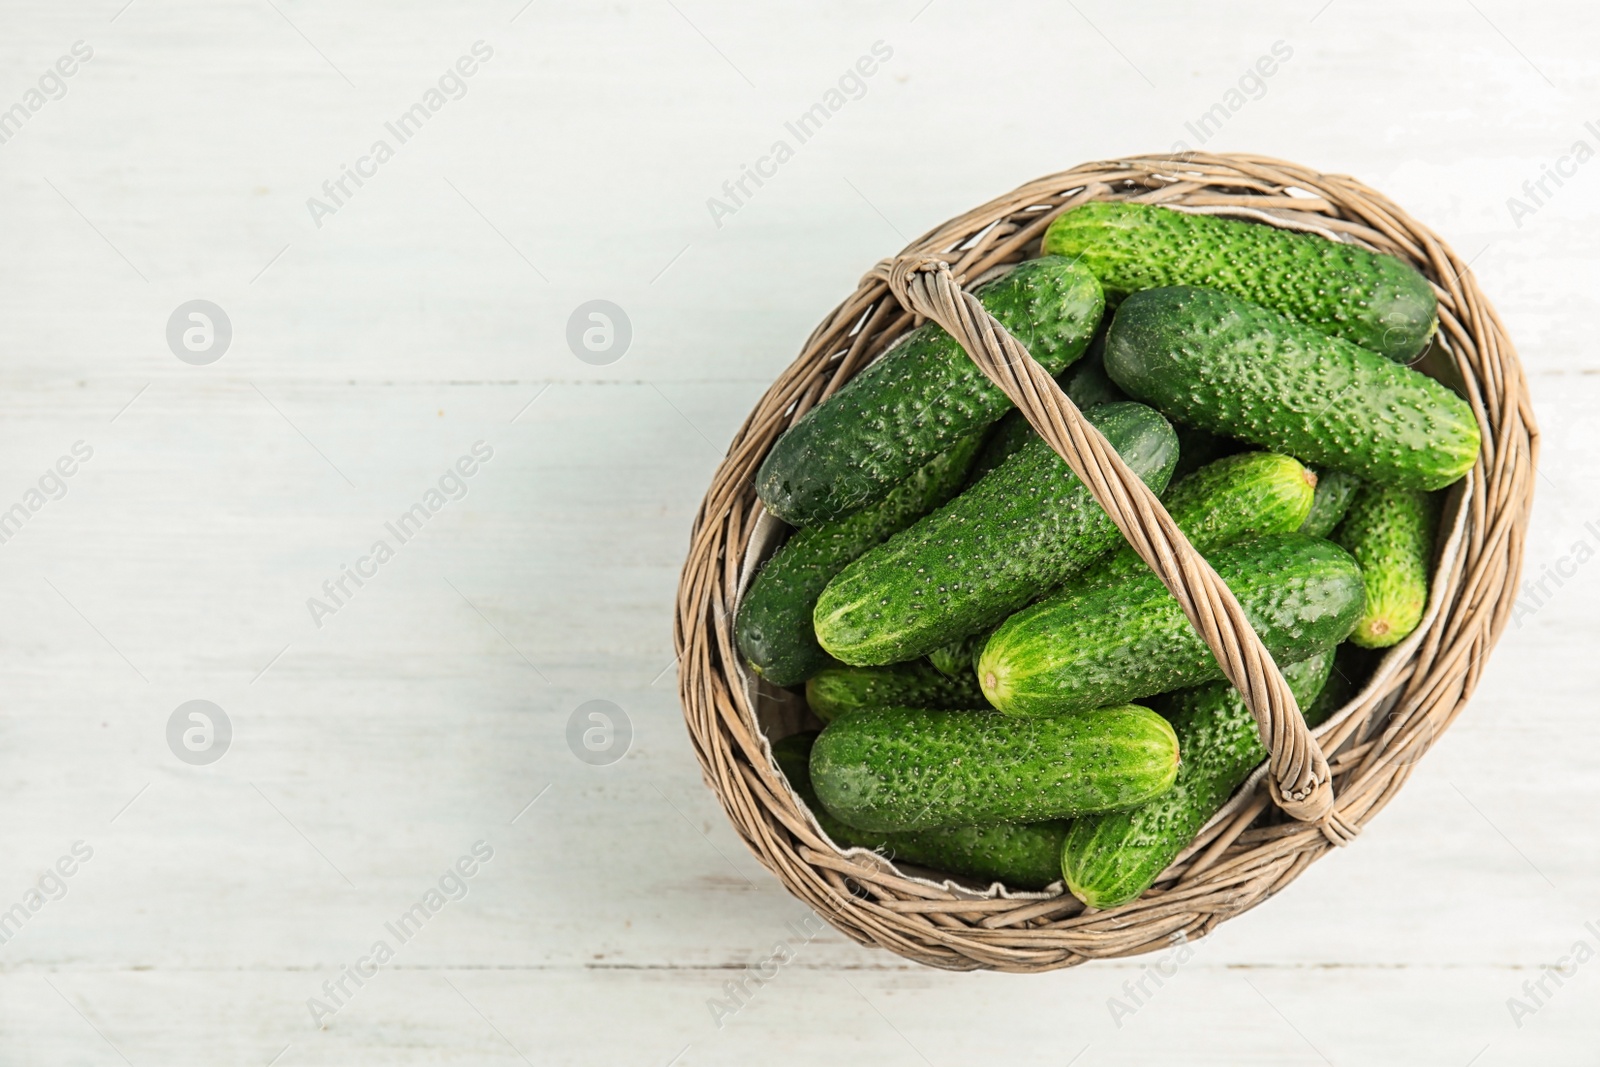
(1240, 866)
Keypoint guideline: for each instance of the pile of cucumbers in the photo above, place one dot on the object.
(1008, 692)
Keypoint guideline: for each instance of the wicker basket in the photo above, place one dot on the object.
(1317, 789)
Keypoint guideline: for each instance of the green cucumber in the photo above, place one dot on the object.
(1112, 858)
(1377, 301)
(910, 769)
(1199, 448)
(1020, 855)
(773, 626)
(921, 396)
(1085, 383)
(1234, 498)
(956, 659)
(1092, 645)
(839, 690)
(1021, 531)
(1390, 533)
(1335, 489)
(1210, 359)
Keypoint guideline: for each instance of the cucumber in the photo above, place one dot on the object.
(773, 626)
(1092, 645)
(910, 769)
(840, 690)
(1020, 855)
(1234, 498)
(1085, 383)
(957, 659)
(921, 396)
(1112, 858)
(1376, 301)
(1335, 489)
(1390, 533)
(1210, 359)
(1024, 529)
(1199, 448)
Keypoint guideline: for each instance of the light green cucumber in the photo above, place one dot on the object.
(1111, 858)
(1019, 855)
(1335, 490)
(1092, 645)
(911, 769)
(1238, 369)
(922, 396)
(1020, 532)
(840, 690)
(1376, 301)
(1390, 532)
(1232, 499)
(773, 626)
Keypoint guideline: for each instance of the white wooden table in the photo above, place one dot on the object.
(429, 711)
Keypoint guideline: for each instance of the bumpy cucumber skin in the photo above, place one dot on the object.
(840, 690)
(1248, 495)
(1020, 855)
(1234, 368)
(911, 769)
(773, 626)
(1111, 858)
(1390, 533)
(921, 396)
(1089, 646)
(1376, 301)
(1335, 490)
(956, 659)
(1085, 383)
(1021, 531)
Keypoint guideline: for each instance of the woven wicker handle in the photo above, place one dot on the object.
(1299, 778)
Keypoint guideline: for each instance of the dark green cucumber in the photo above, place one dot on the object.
(910, 769)
(1198, 448)
(922, 396)
(1247, 371)
(1085, 383)
(840, 690)
(1112, 858)
(957, 659)
(1335, 489)
(773, 626)
(1376, 301)
(1021, 531)
(1390, 533)
(1212, 360)
(1020, 855)
(1092, 645)
(1234, 498)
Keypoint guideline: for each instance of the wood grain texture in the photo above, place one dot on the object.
(407, 328)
